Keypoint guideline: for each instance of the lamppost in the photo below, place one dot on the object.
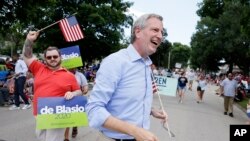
(169, 57)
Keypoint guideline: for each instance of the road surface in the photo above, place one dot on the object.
(189, 121)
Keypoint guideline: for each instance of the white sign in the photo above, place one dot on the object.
(178, 65)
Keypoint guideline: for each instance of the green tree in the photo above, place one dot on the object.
(180, 54)
(204, 53)
(102, 22)
(221, 33)
(204, 43)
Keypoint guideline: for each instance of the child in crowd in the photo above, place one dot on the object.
(248, 111)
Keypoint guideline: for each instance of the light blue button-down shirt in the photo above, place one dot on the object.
(123, 89)
(21, 68)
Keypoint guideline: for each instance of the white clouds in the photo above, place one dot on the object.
(135, 13)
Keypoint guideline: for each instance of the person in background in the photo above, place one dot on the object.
(155, 70)
(4, 93)
(87, 73)
(248, 111)
(241, 92)
(92, 75)
(83, 83)
(10, 85)
(176, 74)
(201, 87)
(182, 84)
(20, 79)
(163, 72)
(229, 88)
(51, 80)
(120, 103)
(9, 65)
(222, 76)
(191, 77)
(29, 85)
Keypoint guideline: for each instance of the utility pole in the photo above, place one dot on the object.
(169, 57)
(11, 51)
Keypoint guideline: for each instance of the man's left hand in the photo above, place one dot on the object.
(160, 114)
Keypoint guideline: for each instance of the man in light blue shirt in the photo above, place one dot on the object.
(229, 88)
(120, 103)
(20, 79)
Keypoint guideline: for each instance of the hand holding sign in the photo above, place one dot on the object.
(69, 95)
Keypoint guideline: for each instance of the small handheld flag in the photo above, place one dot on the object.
(155, 90)
(71, 29)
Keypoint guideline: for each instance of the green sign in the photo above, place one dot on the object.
(48, 121)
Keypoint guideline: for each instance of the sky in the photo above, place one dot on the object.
(179, 16)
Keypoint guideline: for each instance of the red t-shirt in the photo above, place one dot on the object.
(49, 83)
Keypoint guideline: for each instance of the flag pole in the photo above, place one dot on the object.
(166, 123)
(171, 134)
(52, 24)
(48, 26)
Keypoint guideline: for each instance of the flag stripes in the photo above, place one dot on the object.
(71, 29)
(155, 89)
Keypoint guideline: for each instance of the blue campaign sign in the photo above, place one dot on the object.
(57, 112)
(57, 105)
(71, 57)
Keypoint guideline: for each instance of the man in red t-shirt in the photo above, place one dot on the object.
(51, 80)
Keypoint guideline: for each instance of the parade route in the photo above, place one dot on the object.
(189, 121)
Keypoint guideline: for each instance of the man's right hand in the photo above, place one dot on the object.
(28, 47)
(141, 134)
(32, 36)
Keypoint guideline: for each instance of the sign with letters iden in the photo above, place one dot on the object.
(166, 86)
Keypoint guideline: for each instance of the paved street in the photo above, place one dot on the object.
(189, 121)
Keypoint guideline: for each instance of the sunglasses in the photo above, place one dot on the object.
(53, 56)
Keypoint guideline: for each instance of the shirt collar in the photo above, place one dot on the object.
(134, 55)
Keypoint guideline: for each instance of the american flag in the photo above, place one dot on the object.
(71, 29)
(155, 88)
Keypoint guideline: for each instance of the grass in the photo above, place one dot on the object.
(243, 103)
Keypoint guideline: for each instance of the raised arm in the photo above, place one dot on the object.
(28, 47)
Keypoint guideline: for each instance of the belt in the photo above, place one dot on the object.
(124, 139)
(20, 76)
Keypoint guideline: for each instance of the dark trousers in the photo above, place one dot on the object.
(4, 95)
(19, 87)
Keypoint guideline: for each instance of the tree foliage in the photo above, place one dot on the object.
(102, 22)
(222, 33)
(180, 54)
(169, 54)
